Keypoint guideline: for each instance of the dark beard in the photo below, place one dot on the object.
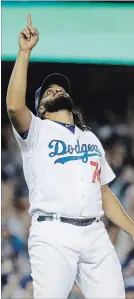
(61, 103)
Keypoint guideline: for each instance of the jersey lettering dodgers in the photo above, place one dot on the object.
(64, 171)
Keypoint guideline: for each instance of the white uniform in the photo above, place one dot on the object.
(64, 173)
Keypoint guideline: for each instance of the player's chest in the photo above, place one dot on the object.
(62, 147)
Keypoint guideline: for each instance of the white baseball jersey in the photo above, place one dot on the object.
(64, 171)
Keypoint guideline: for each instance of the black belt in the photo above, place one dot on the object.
(74, 221)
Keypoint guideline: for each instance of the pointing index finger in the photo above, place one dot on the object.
(29, 19)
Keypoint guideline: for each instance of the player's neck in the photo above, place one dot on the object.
(61, 116)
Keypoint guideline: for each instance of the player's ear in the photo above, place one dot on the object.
(42, 110)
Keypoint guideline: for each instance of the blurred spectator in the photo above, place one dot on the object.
(128, 272)
(10, 245)
(12, 289)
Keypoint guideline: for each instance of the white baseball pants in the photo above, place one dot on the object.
(62, 253)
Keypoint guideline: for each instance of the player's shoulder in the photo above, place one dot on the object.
(42, 124)
(39, 121)
(93, 139)
(89, 134)
(36, 118)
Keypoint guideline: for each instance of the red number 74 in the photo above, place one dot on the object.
(97, 172)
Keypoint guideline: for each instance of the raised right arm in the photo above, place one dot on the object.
(19, 114)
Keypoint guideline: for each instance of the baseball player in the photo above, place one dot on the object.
(67, 176)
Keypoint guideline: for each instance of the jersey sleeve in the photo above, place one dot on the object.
(107, 174)
(30, 142)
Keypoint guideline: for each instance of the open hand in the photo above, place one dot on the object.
(29, 36)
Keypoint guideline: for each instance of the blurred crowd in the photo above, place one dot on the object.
(118, 141)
